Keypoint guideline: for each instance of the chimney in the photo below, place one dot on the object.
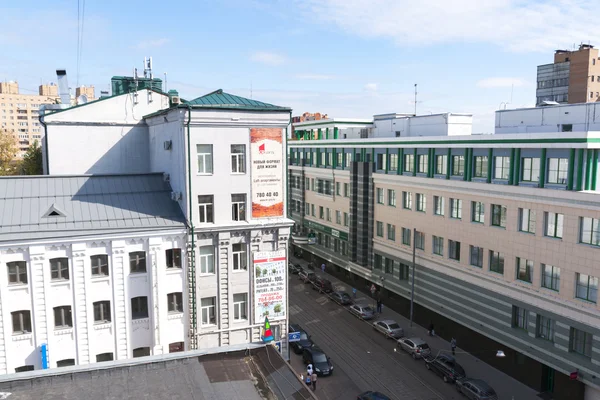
(63, 87)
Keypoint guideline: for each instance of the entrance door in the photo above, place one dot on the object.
(547, 379)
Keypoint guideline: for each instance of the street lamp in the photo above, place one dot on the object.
(412, 284)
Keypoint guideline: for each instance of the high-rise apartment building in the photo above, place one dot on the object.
(88, 91)
(573, 77)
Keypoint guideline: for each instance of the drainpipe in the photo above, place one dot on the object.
(41, 118)
(192, 254)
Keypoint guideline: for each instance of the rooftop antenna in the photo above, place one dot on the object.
(250, 90)
(415, 99)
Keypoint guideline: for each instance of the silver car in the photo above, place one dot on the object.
(362, 311)
(389, 328)
(416, 347)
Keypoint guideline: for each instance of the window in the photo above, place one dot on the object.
(206, 205)
(238, 159)
(141, 352)
(65, 363)
(557, 170)
(25, 368)
(477, 212)
(550, 277)
(240, 306)
(454, 250)
(173, 257)
(580, 342)
(205, 158)
(338, 188)
(306, 183)
(379, 228)
(393, 162)
(441, 165)
(104, 357)
(137, 262)
(531, 169)
(207, 260)
(21, 321)
(498, 215)
(391, 232)
(458, 165)
(312, 184)
(589, 231)
(139, 307)
(380, 199)
(406, 236)
(99, 265)
(346, 190)
(554, 225)
(568, 127)
(63, 317)
(409, 163)
(456, 208)
(403, 272)
(545, 328)
(438, 245)
(240, 260)
(175, 302)
(407, 200)
(102, 312)
(312, 209)
(346, 219)
(307, 208)
(496, 262)
(524, 270)
(421, 202)
(586, 288)
(348, 159)
(321, 212)
(328, 214)
(381, 161)
(389, 266)
(520, 318)
(176, 347)
(423, 163)
(420, 240)
(476, 256)
(391, 197)
(481, 167)
(59, 269)
(208, 311)
(238, 207)
(340, 160)
(502, 167)
(17, 272)
(438, 205)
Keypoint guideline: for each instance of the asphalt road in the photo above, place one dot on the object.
(363, 359)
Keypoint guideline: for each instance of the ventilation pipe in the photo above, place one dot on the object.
(63, 87)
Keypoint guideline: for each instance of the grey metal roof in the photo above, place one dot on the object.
(38, 207)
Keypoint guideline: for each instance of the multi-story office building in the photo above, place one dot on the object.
(573, 77)
(505, 229)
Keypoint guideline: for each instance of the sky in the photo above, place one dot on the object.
(344, 58)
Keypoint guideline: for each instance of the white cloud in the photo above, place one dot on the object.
(519, 26)
(268, 58)
(153, 43)
(371, 87)
(499, 82)
(315, 77)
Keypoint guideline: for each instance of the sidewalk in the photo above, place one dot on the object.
(505, 386)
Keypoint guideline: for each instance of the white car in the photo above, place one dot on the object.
(389, 328)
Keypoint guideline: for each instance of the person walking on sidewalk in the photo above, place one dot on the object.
(313, 379)
(453, 346)
(354, 292)
(379, 303)
(323, 268)
(431, 331)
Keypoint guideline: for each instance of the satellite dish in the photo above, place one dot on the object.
(82, 99)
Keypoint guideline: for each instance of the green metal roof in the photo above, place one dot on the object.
(220, 99)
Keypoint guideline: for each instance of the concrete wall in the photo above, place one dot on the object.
(582, 117)
(424, 125)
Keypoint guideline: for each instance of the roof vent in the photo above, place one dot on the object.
(53, 212)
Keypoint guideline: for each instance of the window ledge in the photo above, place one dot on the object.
(239, 271)
(478, 223)
(585, 301)
(241, 321)
(207, 274)
(98, 326)
(174, 271)
(527, 233)
(18, 286)
(63, 330)
(498, 227)
(103, 278)
(140, 321)
(174, 315)
(203, 174)
(138, 273)
(593, 246)
(21, 336)
(438, 215)
(61, 282)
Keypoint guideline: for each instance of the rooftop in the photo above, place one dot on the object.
(39, 207)
(256, 373)
(220, 99)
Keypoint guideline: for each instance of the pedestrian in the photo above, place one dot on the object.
(323, 267)
(431, 332)
(307, 380)
(309, 370)
(379, 306)
(313, 379)
(453, 346)
(354, 292)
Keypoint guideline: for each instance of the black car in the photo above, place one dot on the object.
(322, 285)
(476, 389)
(321, 363)
(304, 341)
(294, 268)
(370, 395)
(445, 366)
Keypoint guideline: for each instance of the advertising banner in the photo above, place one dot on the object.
(269, 284)
(267, 158)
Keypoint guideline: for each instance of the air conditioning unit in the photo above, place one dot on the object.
(175, 100)
(166, 177)
(168, 144)
(176, 196)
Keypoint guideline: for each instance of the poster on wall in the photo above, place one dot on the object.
(266, 156)
(269, 284)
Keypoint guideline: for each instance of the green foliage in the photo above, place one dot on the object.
(32, 160)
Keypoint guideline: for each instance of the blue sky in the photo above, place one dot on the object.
(346, 58)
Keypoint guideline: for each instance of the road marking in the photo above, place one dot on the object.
(314, 321)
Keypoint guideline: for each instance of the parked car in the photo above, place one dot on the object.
(362, 311)
(445, 366)
(304, 341)
(322, 285)
(370, 395)
(342, 298)
(476, 389)
(294, 268)
(306, 276)
(416, 347)
(319, 360)
(389, 328)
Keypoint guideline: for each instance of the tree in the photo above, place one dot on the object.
(8, 151)
(32, 160)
